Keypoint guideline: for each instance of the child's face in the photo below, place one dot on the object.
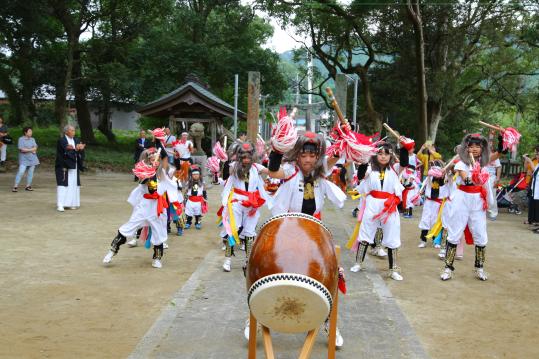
(196, 176)
(475, 149)
(383, 158)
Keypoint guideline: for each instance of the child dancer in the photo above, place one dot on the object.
(149, 206)
(469, 203)
(242, 197)
(436, 190)
(196, 205)
(383, 192)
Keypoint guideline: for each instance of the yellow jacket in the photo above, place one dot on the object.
(426, 158)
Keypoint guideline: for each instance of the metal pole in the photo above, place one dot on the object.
(355, 103)
(235, 106)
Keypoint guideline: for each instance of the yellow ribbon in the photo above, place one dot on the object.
(437, 227)
(232, 219)
(353, 237)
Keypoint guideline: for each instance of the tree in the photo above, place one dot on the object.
(24, 31)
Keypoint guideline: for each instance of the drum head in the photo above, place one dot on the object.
(289, 302)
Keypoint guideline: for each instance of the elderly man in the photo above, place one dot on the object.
(69, 156)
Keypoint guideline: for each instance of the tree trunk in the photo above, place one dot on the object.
(60, 103)
(15, 105)
(435, 117)
(372, 119)
(422, 97)
(104, 118)
(79, 90)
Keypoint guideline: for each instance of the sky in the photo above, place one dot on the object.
(281, 40)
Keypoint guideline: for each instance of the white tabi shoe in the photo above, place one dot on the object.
(227, 265)
(422, 244)
(108, 257)
(60, 209)
(355, 268)
(223, 248)
(441, 254)
(459, 258)
(447, 274)
(132, 243)
(480, 274)
(437, 246)
(242, 247)
(73, 207)
(157, 263)
(339, 341)
(393, 274)
(380, 252)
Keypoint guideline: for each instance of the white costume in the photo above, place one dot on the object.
(431, 207)
(194, 208)
(245, 216)
(467, 209)
(375, 206)
(289, 196)
(145, 211)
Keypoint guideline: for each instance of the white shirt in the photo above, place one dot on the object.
(168, 141)
(183, 149)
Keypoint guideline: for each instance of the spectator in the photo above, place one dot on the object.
(69, 152)
(27, 159)
(4, 141)
(532, 167)
(169, 140)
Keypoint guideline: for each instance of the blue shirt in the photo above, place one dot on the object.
(27, 158)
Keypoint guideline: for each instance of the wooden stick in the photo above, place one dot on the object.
(336, 107)
(258, 134)
(333, 315)
(390, 130)
(268, 346)
(224, 143)
(449, 164)
(252, 336)
(494, 127)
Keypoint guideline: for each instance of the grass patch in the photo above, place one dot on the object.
(102, 155)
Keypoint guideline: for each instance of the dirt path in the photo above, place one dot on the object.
(465, 318)
(58, 301)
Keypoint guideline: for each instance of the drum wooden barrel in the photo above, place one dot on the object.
(292, 274)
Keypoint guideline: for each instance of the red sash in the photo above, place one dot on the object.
(437, 200)
(253, 200)
(405, 196)
(203, 203)
(162, 202)
(390, 204)
(476, 189)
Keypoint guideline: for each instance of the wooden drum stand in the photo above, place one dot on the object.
(311, 335)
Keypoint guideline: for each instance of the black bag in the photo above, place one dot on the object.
(6, 140)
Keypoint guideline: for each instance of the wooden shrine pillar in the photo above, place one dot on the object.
(253, 100)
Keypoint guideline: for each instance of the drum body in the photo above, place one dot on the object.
(292, 274)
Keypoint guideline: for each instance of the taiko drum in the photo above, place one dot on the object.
(292, 274)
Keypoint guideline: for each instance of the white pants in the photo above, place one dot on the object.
(193, 208)
(69, 196)
(493, 207)
(3, 152)
(429, 215)
(466, 209)
(139, 218)
(392, 228)
(241, 215)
